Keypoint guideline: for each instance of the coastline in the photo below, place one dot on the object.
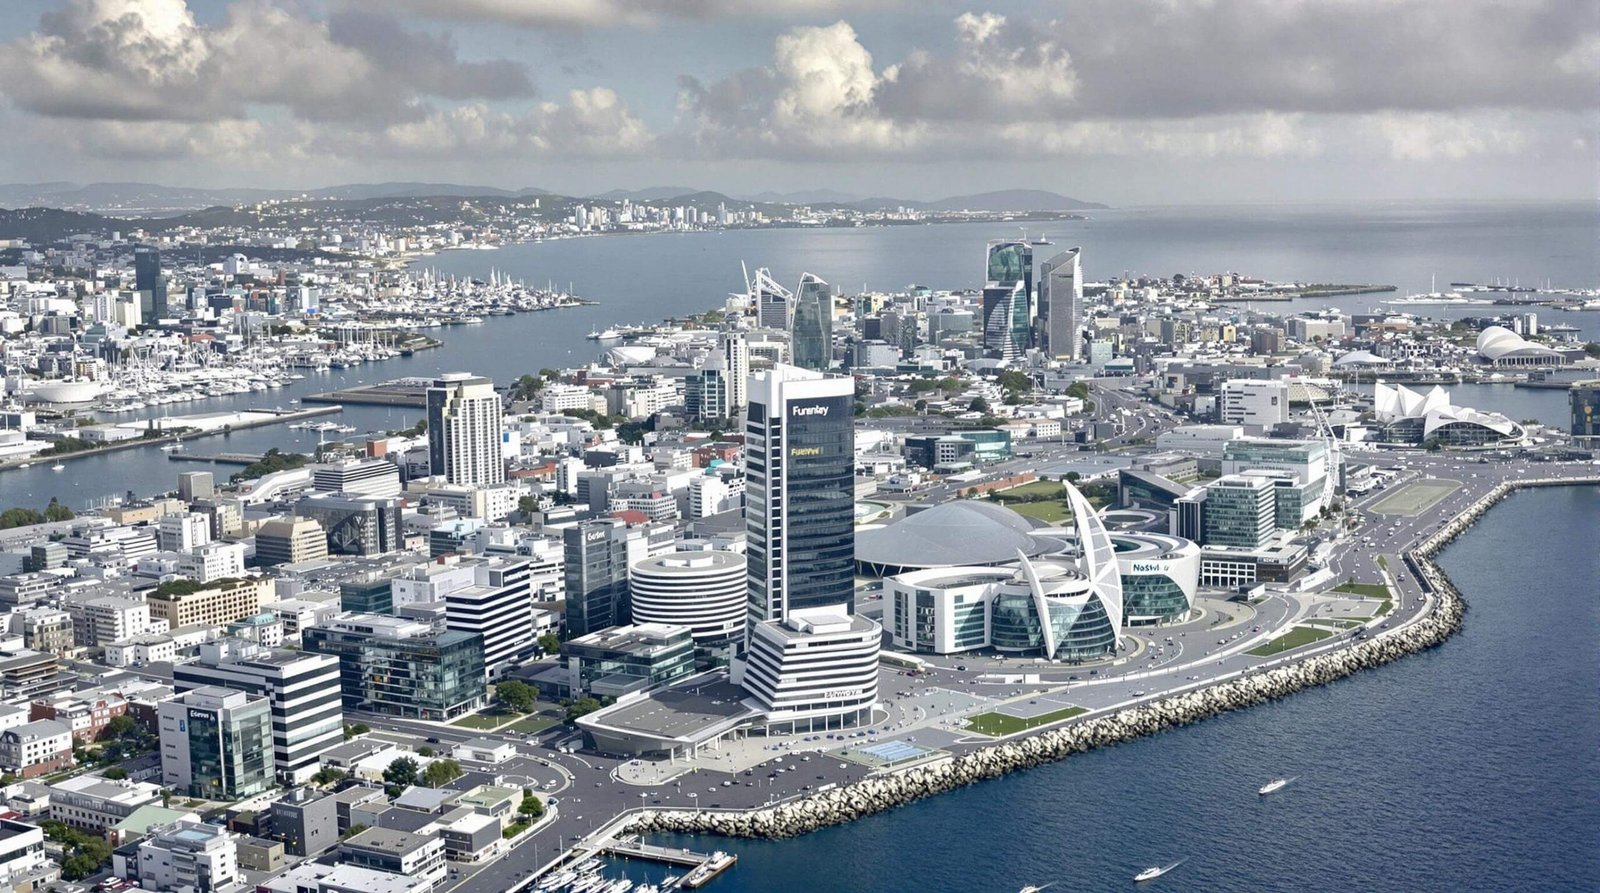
(1025, 750)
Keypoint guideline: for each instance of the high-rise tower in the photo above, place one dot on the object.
(465, 430)
(812, 335)
(1061, 304)
(799, 491)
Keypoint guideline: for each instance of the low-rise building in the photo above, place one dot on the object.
(396, 852)
(189, 856)
(36, 748)
(95, 804)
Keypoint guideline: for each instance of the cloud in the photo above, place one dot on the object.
(616, 13)
(997, 71)
(147, 60)
(1153, 58)
(591, 124)
(1230, 78)
(1430, 136)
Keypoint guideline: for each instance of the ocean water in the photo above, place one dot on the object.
(650, 277)
(1468, 767)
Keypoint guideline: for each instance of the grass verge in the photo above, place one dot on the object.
(1001, 724)
(1371, 590)
(1294, 638)
(484, 721)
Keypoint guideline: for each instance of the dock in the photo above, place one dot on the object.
(389, 393)
(702, 867)
(217, 458)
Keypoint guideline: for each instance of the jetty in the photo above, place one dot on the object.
(403, 392)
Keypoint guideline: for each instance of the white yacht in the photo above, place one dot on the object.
(1155, 871)
(1274, 786)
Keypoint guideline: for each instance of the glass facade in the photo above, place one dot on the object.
(820, 515)
(1014, 625)
(367, 596)
(1083, 630)
(434, 677)
(1011, 262)
(812, 336)
(1239, 514)
(1585, 400)
(1006, 324)
(1152, 595)
(230, 751)
(596, 556)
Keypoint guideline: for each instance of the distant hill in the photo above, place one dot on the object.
(50, 224)
(805, 197)
(652, 194)
(152, 199)
(1020, 200)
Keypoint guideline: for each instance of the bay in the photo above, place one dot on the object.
(645, 278)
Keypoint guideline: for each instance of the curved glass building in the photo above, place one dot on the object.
(1160, 574)
(1067, 609)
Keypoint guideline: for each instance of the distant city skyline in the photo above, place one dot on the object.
(1119, 102)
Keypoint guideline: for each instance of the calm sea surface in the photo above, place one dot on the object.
(647, 278)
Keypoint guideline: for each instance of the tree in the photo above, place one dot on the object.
(55, 511)
(528, 505)
(120, 727)
(532, 806)
(355, 829)
(166, 799)
(581, 707)
(526, 387)
(425, 751)
(359, 728)
(401, 773)
(440, 772)
(1073, 477)
(328, 775)
(549, 644)
(116, 773)
(1014, 380)
(83, 854)
(19, 517)
(516, 695)
(978, 405)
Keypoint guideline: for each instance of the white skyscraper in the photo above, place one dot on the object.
(736, 358)
(1061, 303)
(465, 430)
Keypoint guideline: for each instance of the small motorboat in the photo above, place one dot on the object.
(1274, 786)
(1154, 871)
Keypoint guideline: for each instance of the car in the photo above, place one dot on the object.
(433, 740)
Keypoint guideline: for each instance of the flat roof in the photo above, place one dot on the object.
(698, 708)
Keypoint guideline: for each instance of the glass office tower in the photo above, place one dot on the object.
(812, 336)
(799, 491)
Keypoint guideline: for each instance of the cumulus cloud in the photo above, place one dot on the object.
(1244, 78)
(615, 13)
(134, 60)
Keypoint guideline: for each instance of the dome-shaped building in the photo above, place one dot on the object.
(965, 532)
(1499, 346)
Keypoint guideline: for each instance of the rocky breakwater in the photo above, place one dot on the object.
(1440, 619)
(880, 793)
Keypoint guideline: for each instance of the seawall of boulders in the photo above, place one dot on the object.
(882, 792)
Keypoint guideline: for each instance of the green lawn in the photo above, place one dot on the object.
(1294, 638)
(1000, 724)
(1371, 590)
(515, 828)
(484, 721)
(533, 724)
(1048, 512)
(1036, 488)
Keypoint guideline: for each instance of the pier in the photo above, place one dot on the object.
(389, 393)
(216, 458)
(634, 848)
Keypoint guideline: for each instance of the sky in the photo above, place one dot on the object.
(1120, 101)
